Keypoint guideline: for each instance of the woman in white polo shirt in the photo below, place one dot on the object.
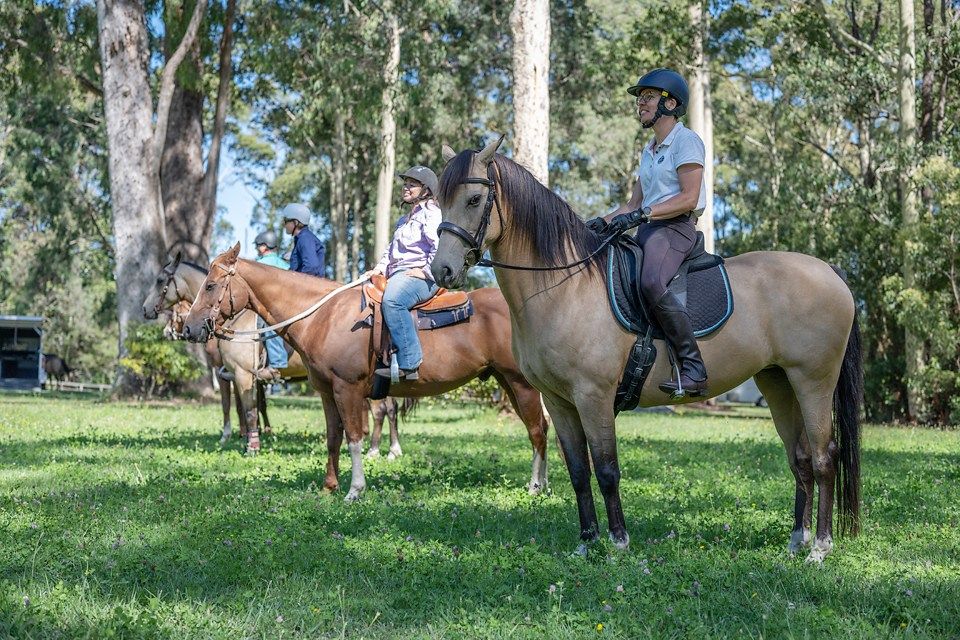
(668, 196)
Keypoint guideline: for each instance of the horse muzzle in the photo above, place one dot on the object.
(200, 333)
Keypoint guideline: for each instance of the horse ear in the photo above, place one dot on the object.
(486, 154)
(176, 260)
(448, 153)
(234, 252)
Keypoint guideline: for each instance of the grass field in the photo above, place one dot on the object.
(118, 520)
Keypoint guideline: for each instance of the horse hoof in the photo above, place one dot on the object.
(819, 552)
(373, 453)
(534, 489)
(394, 454)
(352, 496)
(621, 545)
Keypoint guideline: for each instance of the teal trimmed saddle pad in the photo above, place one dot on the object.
(701, 285)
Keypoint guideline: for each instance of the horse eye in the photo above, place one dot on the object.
(474, 200)
(210, 286)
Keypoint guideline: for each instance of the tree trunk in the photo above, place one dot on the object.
(530, 27)
(701, 112)
(338, 197)
(189, 188)
(913, 348)
(356, 237)
(138, 226)
(388, 133)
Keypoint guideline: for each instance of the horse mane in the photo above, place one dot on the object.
(541, 219)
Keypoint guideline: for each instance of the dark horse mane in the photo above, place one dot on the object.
(542, 220)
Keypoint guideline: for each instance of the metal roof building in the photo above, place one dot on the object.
(21, 349)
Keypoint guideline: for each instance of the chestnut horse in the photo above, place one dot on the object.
(336, 349)
(794, 330)
(177, 283)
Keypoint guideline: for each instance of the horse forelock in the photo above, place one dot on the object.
(456, 171)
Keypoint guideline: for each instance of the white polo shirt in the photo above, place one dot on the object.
(658, 170)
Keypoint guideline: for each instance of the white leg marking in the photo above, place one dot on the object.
(538, 475)
(819, 551)
(227, 432)
(357, 482)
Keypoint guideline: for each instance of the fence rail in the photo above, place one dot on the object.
(86, 387)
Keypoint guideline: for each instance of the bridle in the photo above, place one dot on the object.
(474, 241)
(171, 279)
(209, 323)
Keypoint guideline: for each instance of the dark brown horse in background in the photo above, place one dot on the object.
(336, 348)
(793, 329)
(56, 369)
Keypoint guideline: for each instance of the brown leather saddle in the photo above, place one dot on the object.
(443, 309)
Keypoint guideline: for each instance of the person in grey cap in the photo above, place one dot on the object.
(406, 263)
(266, 244)
(308, 253)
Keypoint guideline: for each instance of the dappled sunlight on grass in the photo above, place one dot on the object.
(133, 521)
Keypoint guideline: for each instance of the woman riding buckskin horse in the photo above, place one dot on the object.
(406, 265)
(668, 196)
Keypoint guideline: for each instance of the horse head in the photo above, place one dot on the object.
(468, 195)
(161, 296)
(219, 299)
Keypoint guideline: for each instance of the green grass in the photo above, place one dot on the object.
(128, 521)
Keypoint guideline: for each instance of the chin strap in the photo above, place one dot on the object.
(662, 110)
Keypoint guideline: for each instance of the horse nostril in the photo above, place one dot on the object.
(186, 331)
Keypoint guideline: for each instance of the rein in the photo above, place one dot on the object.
(231, 335)
(474, 241)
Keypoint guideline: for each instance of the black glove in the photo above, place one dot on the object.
(597, 225)
(629, 220)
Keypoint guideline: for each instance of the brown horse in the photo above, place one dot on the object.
(178, 283)
(336, 349)
(794, 330)
(56, 369)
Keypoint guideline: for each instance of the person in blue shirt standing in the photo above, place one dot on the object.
(308, 253)
(266, 244)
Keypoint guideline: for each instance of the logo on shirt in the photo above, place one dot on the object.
(662, 158)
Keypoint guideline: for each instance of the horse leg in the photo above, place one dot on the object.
(526, 402)
(815, 396)
(573, 442)
(225, 406)
(392, 413)
(262, 407)
(601, 434)
(334, 439)
(352, 408)
(377, 407)
(788, 420)
(241, 416)
(247, 386)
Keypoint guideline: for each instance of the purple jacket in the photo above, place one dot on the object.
(414, 241)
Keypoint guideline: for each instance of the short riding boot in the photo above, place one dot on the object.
(675, 322)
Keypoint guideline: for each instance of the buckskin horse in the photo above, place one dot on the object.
(794, 329)
(178, 283)
(336, 347)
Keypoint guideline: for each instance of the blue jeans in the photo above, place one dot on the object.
(276, 352)
(401, 294)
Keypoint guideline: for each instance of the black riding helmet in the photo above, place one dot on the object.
(671, 85)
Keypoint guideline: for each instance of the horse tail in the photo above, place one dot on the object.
(847, 405)
(407, 406)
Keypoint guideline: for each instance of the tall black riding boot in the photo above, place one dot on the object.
(675, 322)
